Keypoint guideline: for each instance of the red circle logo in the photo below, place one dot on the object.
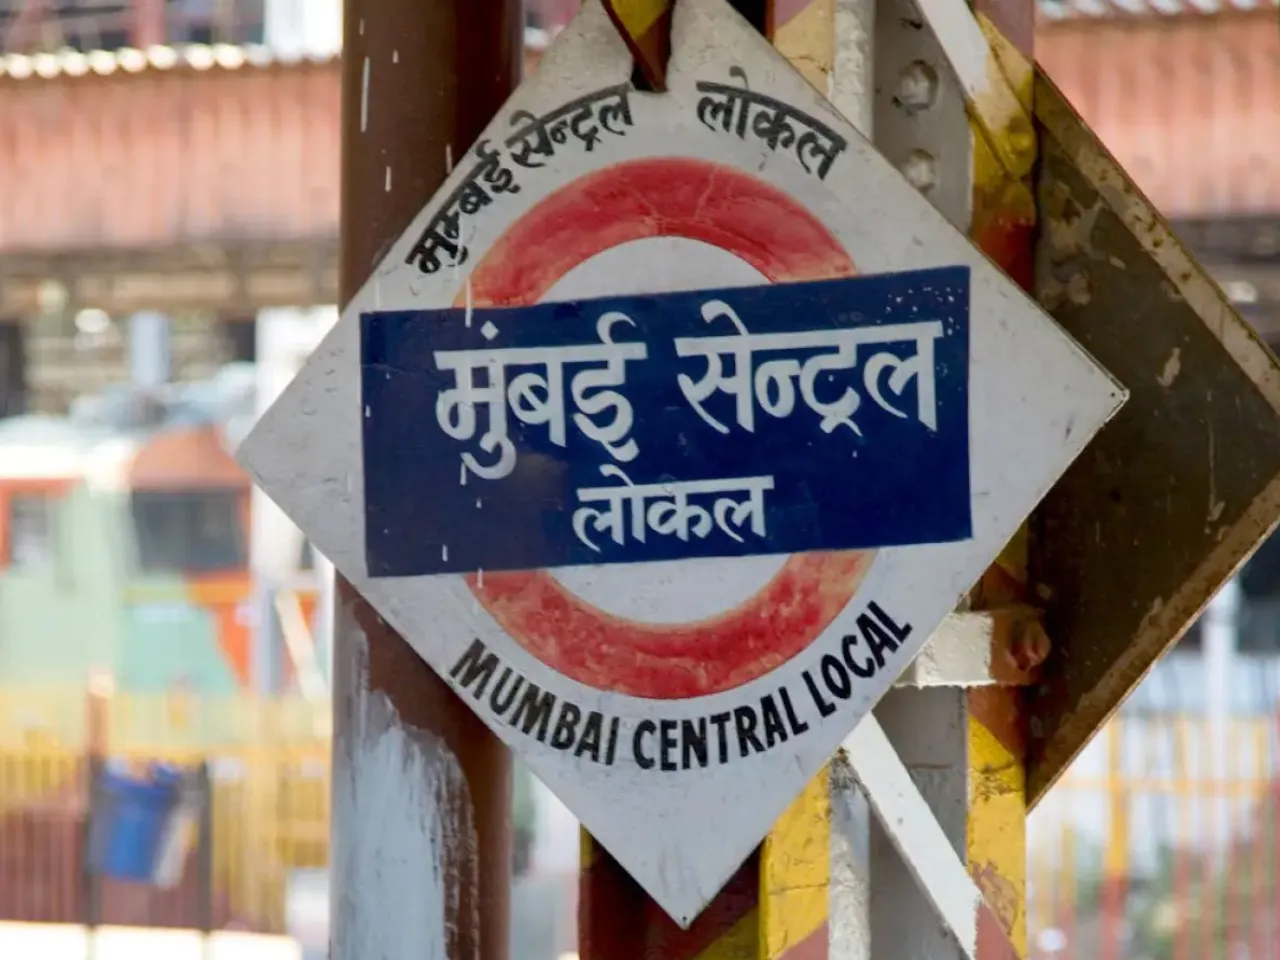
(723, 207)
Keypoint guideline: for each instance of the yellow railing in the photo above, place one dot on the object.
(1163, 834)
(269, 763)
(1161, 841)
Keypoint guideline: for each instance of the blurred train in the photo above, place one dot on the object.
(124, 542)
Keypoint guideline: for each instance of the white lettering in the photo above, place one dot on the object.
(665, 508)
(537, 398)
(773, 384)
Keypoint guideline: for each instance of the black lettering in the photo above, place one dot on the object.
(612, 753)
(535, 709)
(693, 742)
(502, 707)
(825, 708)
(876, 637)
(475, 666)
(744, 722)
(900, 633)
(867, 668)
(721, 722)
(591, 732)
(643, 727)
(566, 731)
(837, 677)
(667, 744)
(797, 725)
(775, 731)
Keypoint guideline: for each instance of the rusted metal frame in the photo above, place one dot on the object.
(421, 840)
(1155, 515)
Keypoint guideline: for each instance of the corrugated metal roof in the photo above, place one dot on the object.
(229, 57)
(104, 62)
(73, 63)
(1059, 10)
(1189, 107)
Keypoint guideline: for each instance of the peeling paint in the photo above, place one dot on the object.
(1191, 284)
(1172, 367)
(364, 97)
(392, 796)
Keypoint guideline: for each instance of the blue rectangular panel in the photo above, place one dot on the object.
(772, 419)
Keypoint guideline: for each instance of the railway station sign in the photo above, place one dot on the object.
(670, 430)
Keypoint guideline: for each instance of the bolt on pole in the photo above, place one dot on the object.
(421, 847)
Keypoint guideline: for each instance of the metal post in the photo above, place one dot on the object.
(421, 819)
(965, 747)
(97, 734)
(204, 858)
(1115, 875)
(1004, 218)
(13, 368)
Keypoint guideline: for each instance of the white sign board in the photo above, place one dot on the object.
(670, 430)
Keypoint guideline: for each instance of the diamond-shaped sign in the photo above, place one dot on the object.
(670, 430)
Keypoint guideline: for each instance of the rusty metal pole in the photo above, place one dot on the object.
(421, 849)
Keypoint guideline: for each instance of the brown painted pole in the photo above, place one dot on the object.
(421, 850)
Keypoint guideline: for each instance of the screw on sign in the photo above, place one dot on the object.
(670, 430)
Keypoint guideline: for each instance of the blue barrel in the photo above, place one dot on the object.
(130, 819)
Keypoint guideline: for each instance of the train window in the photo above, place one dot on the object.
(31, 538)
(189, 531)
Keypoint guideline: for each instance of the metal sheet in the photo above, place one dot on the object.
(1179, 488)
(664, 203)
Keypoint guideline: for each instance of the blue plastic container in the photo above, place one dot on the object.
(130, 821)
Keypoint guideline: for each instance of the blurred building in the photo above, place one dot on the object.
(178, 159)
(196, 173)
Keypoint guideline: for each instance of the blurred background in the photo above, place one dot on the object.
(168, 247)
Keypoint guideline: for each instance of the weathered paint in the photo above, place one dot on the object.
(775, 907)
(850, 858)
(996, 834)
(1154, 517)
(991, 75)
(1005, 646)
(981, 184)
(645, 25)
(1004, 220)
(803, 31)
(618, 921)
(924, 847)
(795, 878)
(403, 801)
(470, 54)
